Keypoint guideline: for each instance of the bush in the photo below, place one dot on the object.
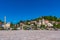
(1, 28)
(43, 27)
(56, 26)
(26, 28)
(14, 28)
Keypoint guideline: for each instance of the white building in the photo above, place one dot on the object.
(49, 25)
(39, 23)
(6, 26)
(43, 22)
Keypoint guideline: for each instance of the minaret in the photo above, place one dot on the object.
(5, 19)
(5, 22)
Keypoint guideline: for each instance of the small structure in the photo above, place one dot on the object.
(22, 25)
(8, 25)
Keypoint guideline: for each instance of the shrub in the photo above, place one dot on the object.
(43, 27)
(26, 28)
(1, 28)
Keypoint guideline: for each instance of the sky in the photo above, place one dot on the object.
(16, 10)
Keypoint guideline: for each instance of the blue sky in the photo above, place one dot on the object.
(16, 10)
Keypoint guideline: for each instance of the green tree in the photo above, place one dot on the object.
(51, 18)
(56, 26)
(26, 22)
(13, 26)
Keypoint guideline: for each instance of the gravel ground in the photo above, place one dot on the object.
(29, 35)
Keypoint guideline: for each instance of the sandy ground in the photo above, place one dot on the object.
(29, 35)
